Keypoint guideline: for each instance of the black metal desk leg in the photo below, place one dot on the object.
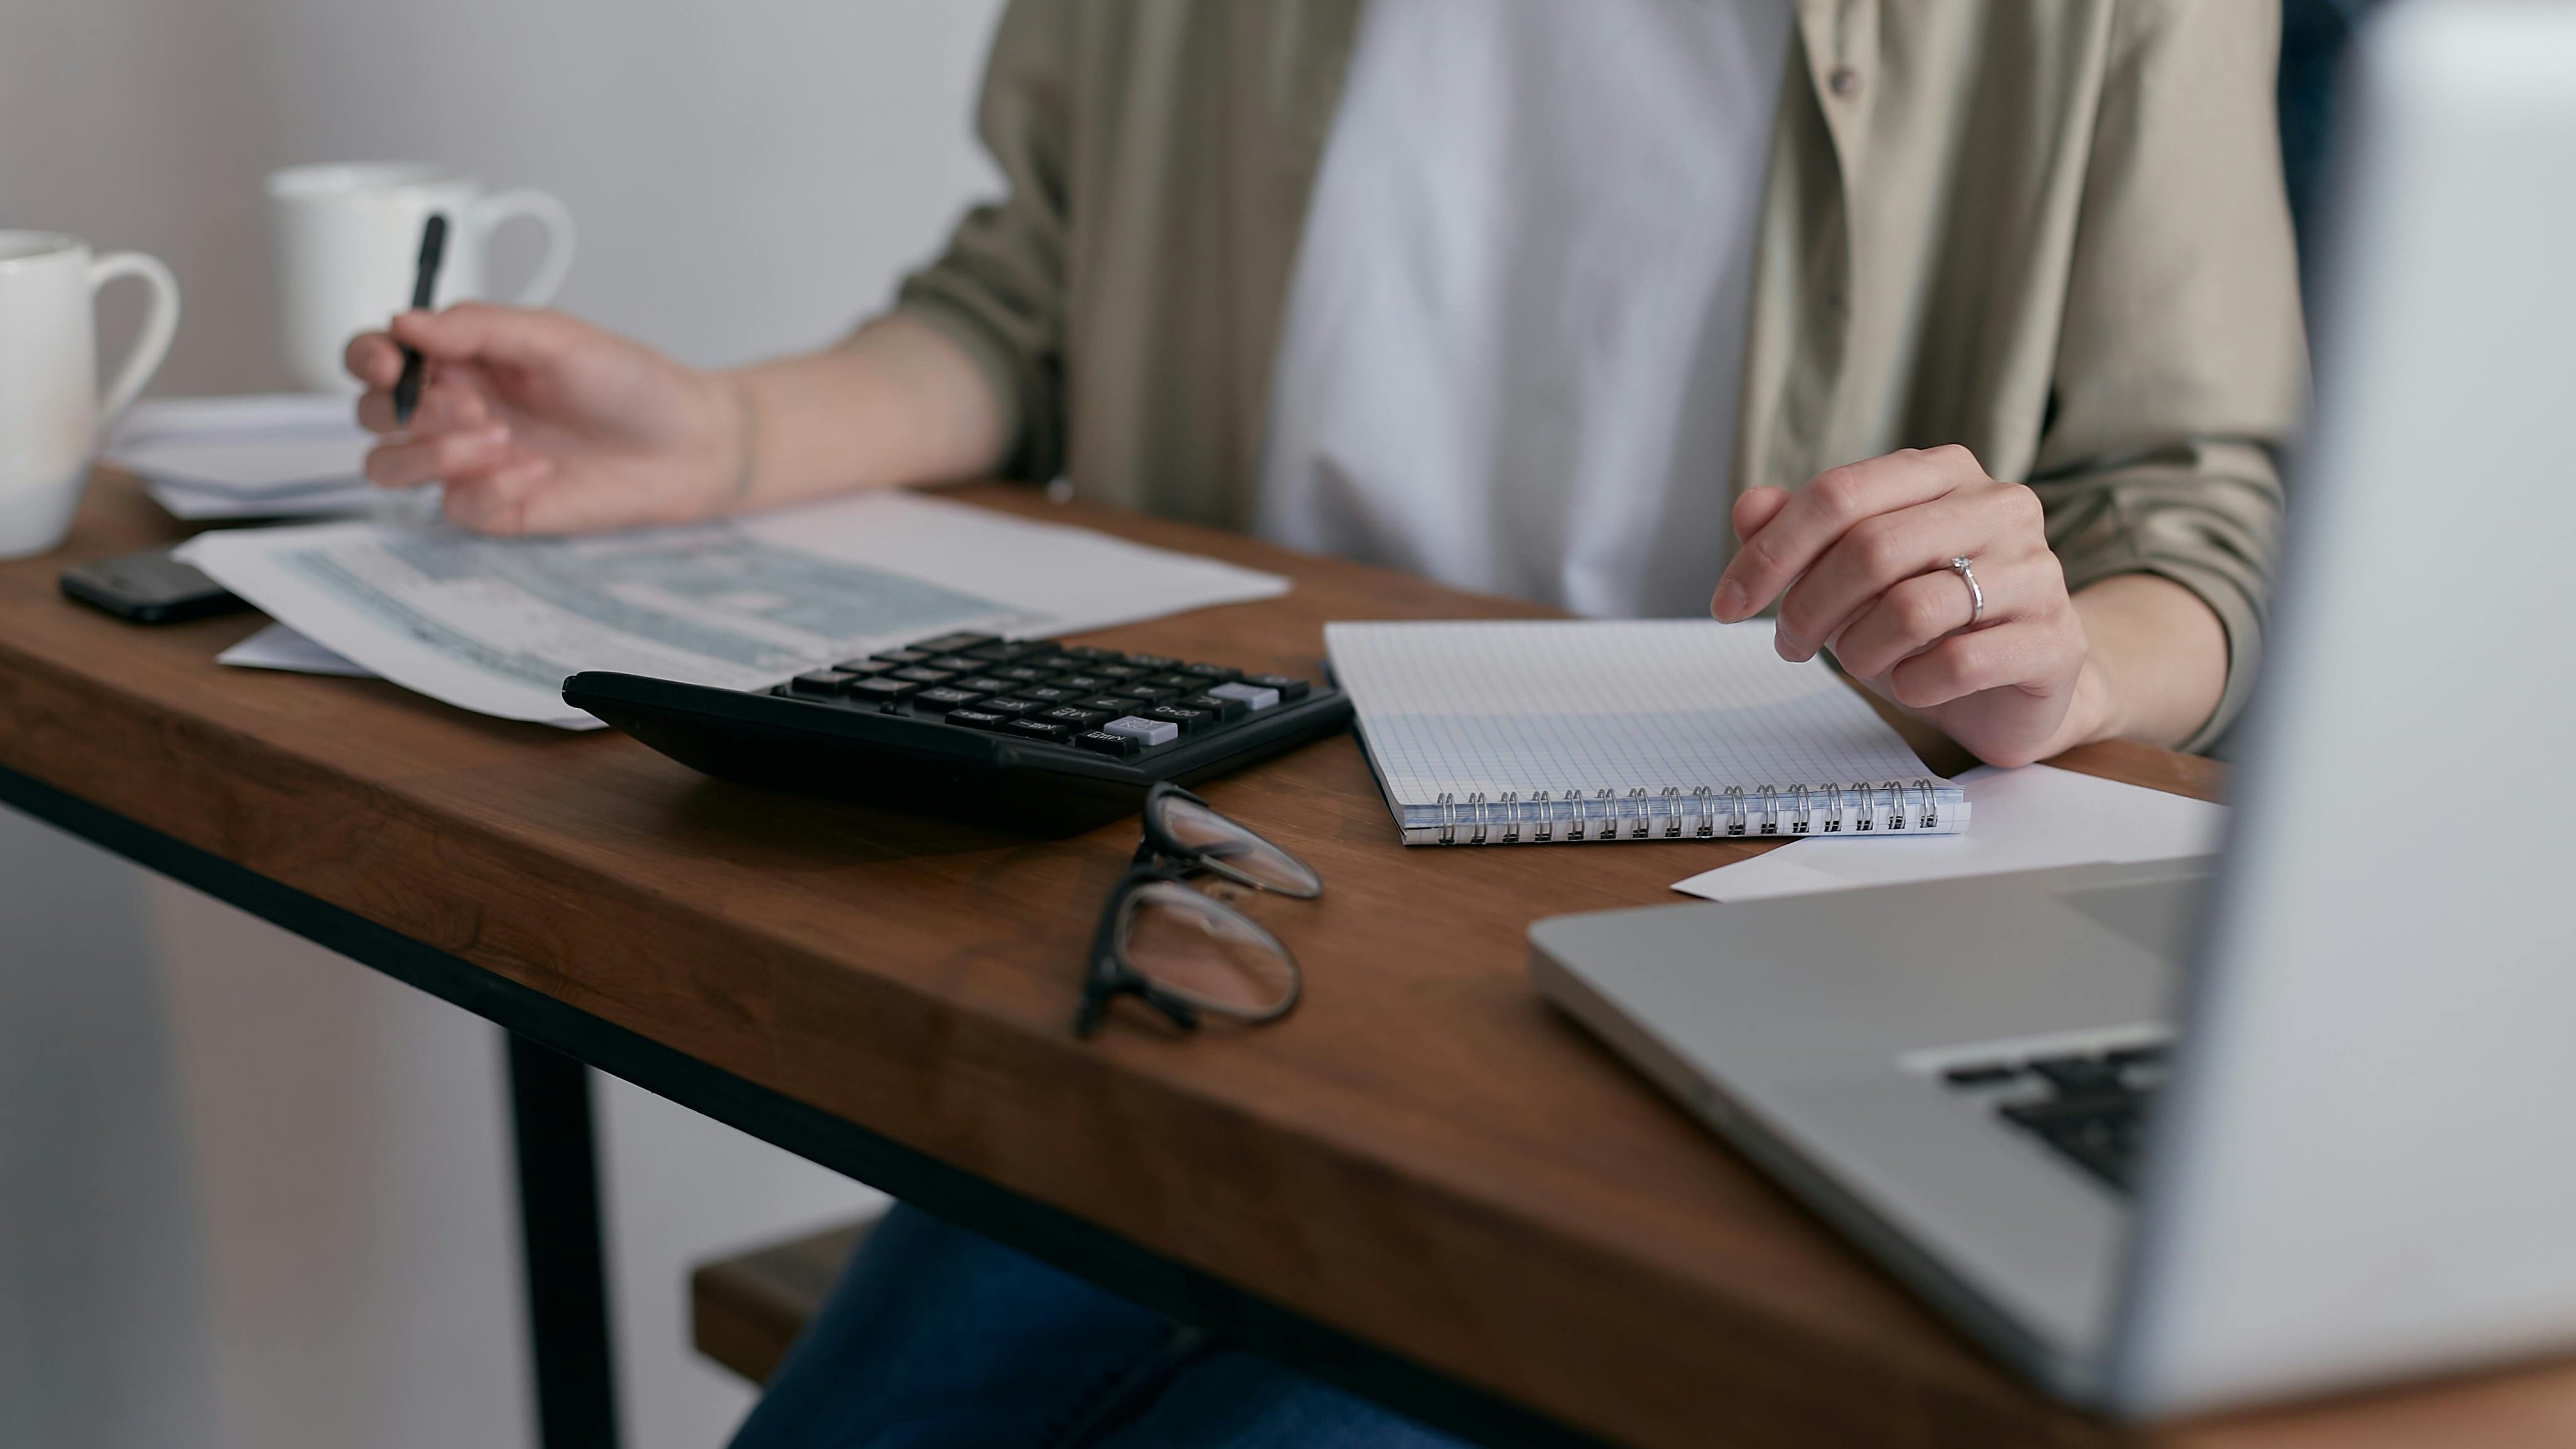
(576, 1378)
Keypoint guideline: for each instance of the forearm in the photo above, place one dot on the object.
(895, 404)
(2156, 664)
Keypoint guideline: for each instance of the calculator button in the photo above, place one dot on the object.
(1038, 729)
(977, 719)
(1253, 695)
(953, 643)
(1075, 717)
(1086, 682)
(1216, 704)
(919, 675)
(881, 688)
(863, 666)
(1212, 671)
(1150, 693)
(982, 684)
(1091, 653)
(1145, 731)
(1291, 688)
(820, 681)
(899, 656)
(1191, 721)
(1118, 671)
(1004, 653)
(1046, 694)
(1022, 674)
(1114, 703)
(1153, 661)
(1101, 742)
(1012, 707)
(1056, 663)
(943, 699)
(1187, 683)
(956, 664)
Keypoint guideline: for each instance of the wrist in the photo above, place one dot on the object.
(2097, 711)
(736, 426)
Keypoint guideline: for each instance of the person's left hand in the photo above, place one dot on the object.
(1859, 559)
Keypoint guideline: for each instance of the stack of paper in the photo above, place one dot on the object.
(495, 625)
(261, 456)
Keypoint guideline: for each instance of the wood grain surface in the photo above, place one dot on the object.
(1423, 1155)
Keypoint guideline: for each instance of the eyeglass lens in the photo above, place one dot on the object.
(1233, 849)
(1203, 950)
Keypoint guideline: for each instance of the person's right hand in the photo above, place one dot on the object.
(538, 423)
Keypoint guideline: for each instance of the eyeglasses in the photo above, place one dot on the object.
(1184, 953)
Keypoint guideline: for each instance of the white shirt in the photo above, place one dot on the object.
(1517, 318)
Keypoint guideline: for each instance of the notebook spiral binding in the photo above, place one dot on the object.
(1701, 814)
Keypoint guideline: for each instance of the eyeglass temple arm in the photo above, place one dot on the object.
(1100, 991)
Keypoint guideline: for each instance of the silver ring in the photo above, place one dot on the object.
(1976, 596)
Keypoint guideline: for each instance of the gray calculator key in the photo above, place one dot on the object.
(1253, 695)
(1144, 731)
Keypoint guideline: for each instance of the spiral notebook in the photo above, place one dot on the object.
(1486, 732)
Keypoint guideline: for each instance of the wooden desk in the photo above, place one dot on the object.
(1424, 1184)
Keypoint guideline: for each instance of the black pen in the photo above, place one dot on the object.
(433, 245)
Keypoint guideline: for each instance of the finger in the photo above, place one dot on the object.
(2024, 654)
(1998, 524)
(1758, 507)
(373, 358)
(1753, 510)
(1906, 619)
(1829, 504)
(434, 456)
(454, 402)
(483, 331)
(376, 412)
(498, 501)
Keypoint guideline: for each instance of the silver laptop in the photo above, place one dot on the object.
(2178, 1136)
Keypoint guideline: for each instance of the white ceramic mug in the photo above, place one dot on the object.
(348, 243)
(51, 410)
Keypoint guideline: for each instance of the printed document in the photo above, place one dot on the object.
(494, 625)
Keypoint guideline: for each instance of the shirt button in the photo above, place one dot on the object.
(1845, 81)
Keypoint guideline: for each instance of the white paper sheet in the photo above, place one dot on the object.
(494, 625)
(269, 455)
(278, 647)
(321, 500)
(252, 445)
(2027, 819)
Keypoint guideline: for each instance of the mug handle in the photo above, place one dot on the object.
(159, 325)
(544, 209)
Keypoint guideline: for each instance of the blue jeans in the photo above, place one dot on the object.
(936, 1337)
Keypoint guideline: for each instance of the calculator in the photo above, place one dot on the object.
(1030, 734)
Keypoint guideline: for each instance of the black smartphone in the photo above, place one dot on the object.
(148, 588)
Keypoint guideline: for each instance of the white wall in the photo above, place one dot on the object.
(748, 175)
(252, 1194)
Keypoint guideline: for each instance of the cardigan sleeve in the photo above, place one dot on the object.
(2181, 370)
(998, 290)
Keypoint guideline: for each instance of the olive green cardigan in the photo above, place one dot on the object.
(2051, 230)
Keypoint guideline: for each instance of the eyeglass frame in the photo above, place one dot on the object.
(1160, 857)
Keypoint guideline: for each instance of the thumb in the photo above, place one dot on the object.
(484, 332)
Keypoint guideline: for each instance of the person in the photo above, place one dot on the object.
(1633, 307)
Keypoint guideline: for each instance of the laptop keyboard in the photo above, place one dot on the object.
(2090, 1108)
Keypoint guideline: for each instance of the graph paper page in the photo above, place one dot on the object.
(1585, 705)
